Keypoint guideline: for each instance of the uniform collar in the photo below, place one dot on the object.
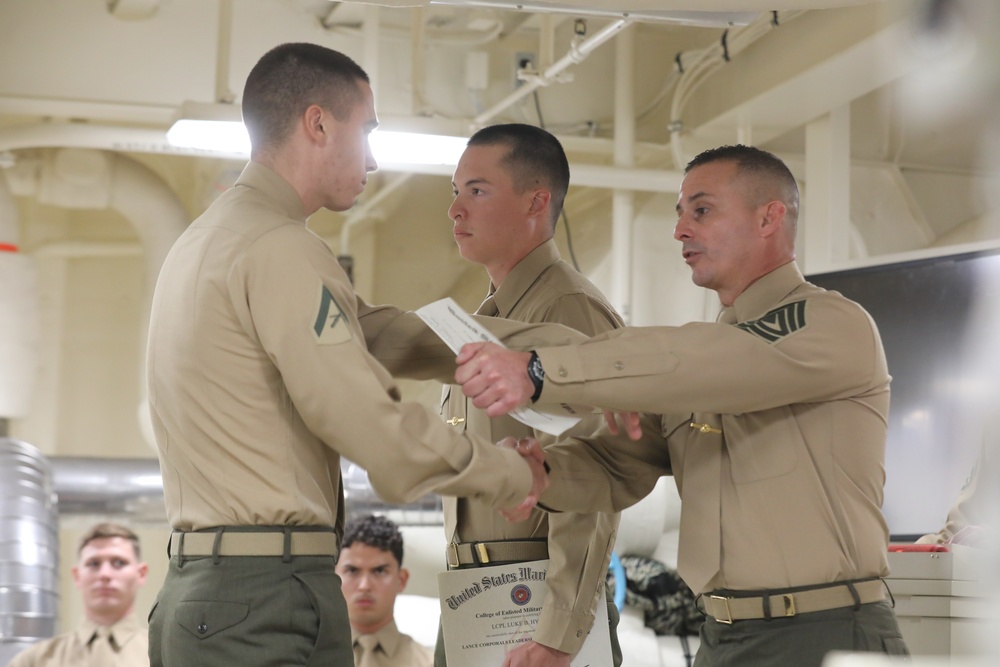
(258, 177)
(122, 631)
(388, 637)
(523, 276)
(763, 294)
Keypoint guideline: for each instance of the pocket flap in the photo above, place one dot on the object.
(204, 619)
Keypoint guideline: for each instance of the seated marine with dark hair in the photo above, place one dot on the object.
(372, 573)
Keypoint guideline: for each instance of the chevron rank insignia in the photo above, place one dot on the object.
(331, 326)
(778, 323)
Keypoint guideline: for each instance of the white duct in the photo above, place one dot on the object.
(29, 548)
(18, 315)
(81, 177)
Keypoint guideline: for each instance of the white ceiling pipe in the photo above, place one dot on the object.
(623, 201)
(368, 210)
(577, 53)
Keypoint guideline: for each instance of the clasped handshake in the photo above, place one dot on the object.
(497, 381)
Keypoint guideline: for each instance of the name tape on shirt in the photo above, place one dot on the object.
(331, 327)
(778, 323)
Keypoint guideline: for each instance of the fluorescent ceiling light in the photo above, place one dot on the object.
(218, 129)
(213, 128)
(409, 148)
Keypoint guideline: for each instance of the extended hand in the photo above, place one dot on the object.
(533, 654)
(629, 423)
(496, 379)
(535, 458)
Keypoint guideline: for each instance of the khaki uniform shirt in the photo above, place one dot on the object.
(129, 645)
(259, 380)
(396, 649)
(543, 288)
(798, 393)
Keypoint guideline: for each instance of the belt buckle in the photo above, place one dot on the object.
(451, 552)
(481, 554)
(729, 612)
(789, 604)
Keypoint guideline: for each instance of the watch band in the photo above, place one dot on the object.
(537, 375)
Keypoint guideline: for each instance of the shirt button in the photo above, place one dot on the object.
(202, 628)
(579, 633)
(619, 366)
(562, 372)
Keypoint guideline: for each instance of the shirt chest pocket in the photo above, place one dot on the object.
(762, 445)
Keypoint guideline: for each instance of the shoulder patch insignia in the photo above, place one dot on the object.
(331, 327)
(778, 323)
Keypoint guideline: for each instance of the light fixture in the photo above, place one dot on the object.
(213, 128)
(408, 148)
(217, 129)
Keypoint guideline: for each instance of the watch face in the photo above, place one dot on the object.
(535, 368)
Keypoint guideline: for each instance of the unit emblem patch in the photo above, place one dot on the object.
(778, 323)
(331, 325)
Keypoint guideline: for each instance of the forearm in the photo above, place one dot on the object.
(605, 472)
(580, 548)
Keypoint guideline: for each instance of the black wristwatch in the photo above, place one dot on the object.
(537, 374)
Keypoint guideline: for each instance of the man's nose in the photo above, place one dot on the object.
(681, 230)
(455, 210)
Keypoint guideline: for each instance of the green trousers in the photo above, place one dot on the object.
(249, 611)
(616, 650)
(801, 640)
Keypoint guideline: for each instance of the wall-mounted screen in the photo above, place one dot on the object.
(941, 330)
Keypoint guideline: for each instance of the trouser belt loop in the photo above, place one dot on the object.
(286, 556)
(767, 606)
(216, 544)
(180, 551)
(854, 594)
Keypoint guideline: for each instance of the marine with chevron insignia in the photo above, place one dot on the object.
(772, 421)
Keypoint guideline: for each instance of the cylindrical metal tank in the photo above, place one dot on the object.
(29, 548)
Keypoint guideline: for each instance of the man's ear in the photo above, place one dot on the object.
(313, 119)
(772, 218)
(404, 576)
(539, 201)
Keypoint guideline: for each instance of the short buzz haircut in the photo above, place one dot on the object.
(771, 177)
(375, 531)
(108, 530)
(287, 80)
(534, 158)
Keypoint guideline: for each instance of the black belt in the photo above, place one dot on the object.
(729, 606)
(478, 554)
(285, 541)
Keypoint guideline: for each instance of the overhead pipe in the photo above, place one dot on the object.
(367, 210)
(623, 201)
(578, 52)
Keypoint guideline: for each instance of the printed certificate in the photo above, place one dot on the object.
(487, 611)
(456, 328)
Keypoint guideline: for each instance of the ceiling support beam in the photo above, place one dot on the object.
(825, 227)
